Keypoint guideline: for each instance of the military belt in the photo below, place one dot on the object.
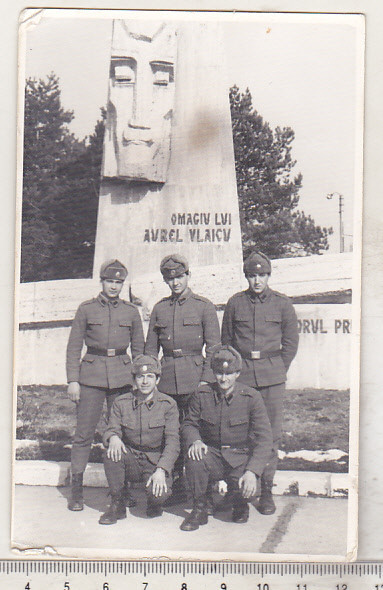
(260, 354)
(144, 449)
(106, 351)
(243, 446)
(178, 352)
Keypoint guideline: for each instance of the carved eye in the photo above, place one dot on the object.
(161, 78)
(123, 71)
(163, 73)
(124, 75)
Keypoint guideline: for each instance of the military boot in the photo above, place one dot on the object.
(179, 493)
(130, 502)
(116, 510)
(266, 503)
(153, 509)
(240, 511)
(76, 502)
(197, 517)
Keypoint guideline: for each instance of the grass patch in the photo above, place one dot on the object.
(314, 419)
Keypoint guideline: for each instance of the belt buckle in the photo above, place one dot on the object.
(255, 355)
(110, 352)
(177, 352)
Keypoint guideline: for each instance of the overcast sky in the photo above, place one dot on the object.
(302, 72)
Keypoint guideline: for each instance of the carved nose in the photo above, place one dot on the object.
(140, 118)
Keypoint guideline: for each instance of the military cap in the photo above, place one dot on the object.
(113, 269)
(146, 363)
(226, 359)
(257, 263)
(174, 265)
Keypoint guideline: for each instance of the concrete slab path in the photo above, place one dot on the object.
(299, 526)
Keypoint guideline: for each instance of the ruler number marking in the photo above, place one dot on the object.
(27, 587)
(263, 587)
(378, 586)
(145, 584)
(184, 586)
(341, 587)
(105, 586)
(223, 586)
(301, 586)
(66, 586)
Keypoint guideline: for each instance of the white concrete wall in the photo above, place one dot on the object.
(323, 359)
(58, 300)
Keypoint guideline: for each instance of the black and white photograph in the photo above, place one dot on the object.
(188, 291)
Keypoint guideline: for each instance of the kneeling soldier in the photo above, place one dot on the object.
(143, 441)
(228, 436)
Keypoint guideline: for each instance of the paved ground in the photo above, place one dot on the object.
(300, 525)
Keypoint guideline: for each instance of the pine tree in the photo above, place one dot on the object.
(267, 190)
(47, 145)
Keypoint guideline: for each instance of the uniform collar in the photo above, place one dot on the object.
(219, 396)
(261, 297)
(140, 402)
(101, 298)
(182, 298)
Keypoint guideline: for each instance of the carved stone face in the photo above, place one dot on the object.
(140, 105)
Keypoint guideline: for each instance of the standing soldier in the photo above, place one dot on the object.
(262, 326)
(182, 325)
(107, 325)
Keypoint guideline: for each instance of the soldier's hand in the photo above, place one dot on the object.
(116, 448)
(197, 450)
(74, 391)
(248, 484)
(158, 481)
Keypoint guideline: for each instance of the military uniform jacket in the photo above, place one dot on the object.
(182, 326)
(152, 427)
(237, 425)
(104, 324)
(261, 323)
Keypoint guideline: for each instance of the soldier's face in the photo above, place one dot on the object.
(111, 287)
(226, 381)
(258, 282)
(179, 284)
(146, 383)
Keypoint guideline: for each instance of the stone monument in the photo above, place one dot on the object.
(168, 175)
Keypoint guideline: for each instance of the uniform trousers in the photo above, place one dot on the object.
(213, 467)
(134, 466)
(273, 396)
(182, 401)
(89, 410)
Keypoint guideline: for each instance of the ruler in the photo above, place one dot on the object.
(191, 575)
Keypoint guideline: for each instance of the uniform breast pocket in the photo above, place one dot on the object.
(157, 422)
(94, 323)
(129, 423)
(241, 321)
(273, 317)
(161, 328)
(125, 325)
(238, 421)
(207, 418)
(193, 330)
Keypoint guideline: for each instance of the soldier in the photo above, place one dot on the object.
(182, 325)
(142, 440)
(107, 325)
(262, 326)
(228, 437)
